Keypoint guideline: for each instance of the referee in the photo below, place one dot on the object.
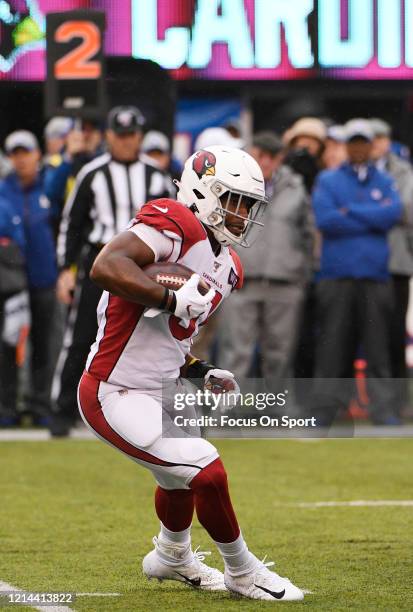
(108, 192)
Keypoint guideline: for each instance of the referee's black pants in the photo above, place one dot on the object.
(79, 334)
(353, 314)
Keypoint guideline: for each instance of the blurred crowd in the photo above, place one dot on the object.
(326, 284)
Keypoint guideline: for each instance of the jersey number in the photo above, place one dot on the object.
(182, 333)
(77, 63)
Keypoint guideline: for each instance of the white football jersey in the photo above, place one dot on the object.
(137, 352)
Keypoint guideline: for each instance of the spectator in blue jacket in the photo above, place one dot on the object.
(355, 207)
(22, 192)
(11, 229)
(10, 225)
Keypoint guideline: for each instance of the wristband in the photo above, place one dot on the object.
(198, 368)
(171, 304)
(164, 300)
(168, 301)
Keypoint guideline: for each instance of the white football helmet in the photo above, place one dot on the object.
(210, 180)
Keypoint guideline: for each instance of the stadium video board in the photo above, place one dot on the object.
(229, 39)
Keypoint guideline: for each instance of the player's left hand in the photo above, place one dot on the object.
(222, 382)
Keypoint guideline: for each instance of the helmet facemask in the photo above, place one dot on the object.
(225, 207)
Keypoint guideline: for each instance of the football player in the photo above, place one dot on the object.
(220, 200)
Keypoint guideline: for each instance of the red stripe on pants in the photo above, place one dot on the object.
(93, 413)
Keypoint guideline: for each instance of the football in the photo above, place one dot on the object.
(219, 385)
(173, 276)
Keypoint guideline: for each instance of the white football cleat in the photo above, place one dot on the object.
(261, 583)
(183, 565)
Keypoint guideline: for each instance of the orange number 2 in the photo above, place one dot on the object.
(76, 64)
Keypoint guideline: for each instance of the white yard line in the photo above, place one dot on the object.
(355, 503)
(4, 587)
(98, 594)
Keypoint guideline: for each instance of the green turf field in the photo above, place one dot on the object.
(78, 516)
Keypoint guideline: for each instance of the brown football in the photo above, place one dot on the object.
(173, 276)
(219, 385)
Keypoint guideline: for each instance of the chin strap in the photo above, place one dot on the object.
(223, 238)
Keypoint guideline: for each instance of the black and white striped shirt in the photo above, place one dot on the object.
(106, 195)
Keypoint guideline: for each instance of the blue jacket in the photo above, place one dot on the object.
(29, 210)
(10, 225)
(354, 216)
(55, 183)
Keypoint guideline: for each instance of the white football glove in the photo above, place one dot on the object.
(226, 386)
(189, 302)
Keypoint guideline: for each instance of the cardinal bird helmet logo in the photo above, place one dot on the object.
(204, 163)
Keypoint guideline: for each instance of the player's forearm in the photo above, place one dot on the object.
(123, 277)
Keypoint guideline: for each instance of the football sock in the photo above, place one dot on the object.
(213, 504)
(174, 508)
(174, 552)
(237, 558)
(178, 537)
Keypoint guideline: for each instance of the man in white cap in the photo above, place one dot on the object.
(156, 146)
(335, 151)
(55, 133)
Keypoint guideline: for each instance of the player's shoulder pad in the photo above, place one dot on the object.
(237, 281)
(174, 220)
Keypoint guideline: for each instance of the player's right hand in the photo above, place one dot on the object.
(189, 302)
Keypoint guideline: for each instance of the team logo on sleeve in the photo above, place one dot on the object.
(204, 163)
(233, 278)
